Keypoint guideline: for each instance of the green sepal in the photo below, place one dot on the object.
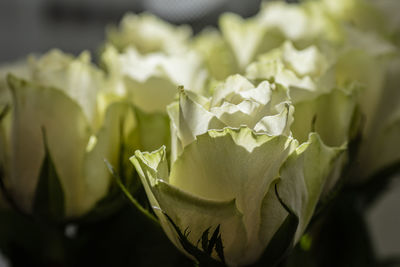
(203, 257)
(49, 202)
(282, 241)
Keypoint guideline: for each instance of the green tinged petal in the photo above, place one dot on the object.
(243, 36)
(356, 68)
(330, 115)
(219, 59)
(304, 176)
(150, 81)
(106, 144)
(233, 164)
(35, 108)
(234, 103)
(76, 77)
(319, 106)
(19, 68)
(189, 212)
(148, 34)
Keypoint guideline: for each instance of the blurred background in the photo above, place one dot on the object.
(28, 26)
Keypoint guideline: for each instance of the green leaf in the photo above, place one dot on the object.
(282, 241)
(49, 195)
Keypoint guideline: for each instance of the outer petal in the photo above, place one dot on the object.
(303, 178)
(148, 34)
(304, 24)
(368, 71)
(176, 144)
(67, 132)
(278, 124)
(151, 80)
(244, 37)
(229, 88)
(105, 145)
(305, 81)
(382, 149)
(147, 84)
(188, 211)
(233, 164)
(18, 68)
(218, 57)
(77, 77)
(381, 146)
(194, 119)
(330, 115)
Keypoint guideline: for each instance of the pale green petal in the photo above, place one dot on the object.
(77, 77)
(390, 100)
(153, 130)
(296, 21)
(235, 116)
(151, 80)
(153, 95)
(304, 23)
(148, 34)
(110, 61)
(356, 67)
(374, 16)
(382, 149)
(18, 68)
(176, 145)
(233, 164)
(193, 106)
(243, 36)
(67, 132)
(235, 103)
(190, 212)
(278, 124)
(106, 145)
(308, 61)
(301, 88)
(305, 80)
(330, 115)
(229, 88)
(369, 41)
(218, 57)
(194, 119)
(303, 178)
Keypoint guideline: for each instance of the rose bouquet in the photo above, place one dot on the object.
(250, 144)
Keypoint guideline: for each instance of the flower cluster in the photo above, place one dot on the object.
(251, 125)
